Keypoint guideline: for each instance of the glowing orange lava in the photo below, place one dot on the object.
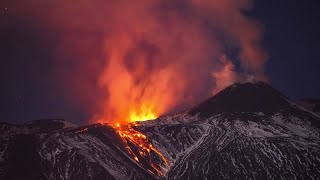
(143, 116)
(136, 143)
(142, 151)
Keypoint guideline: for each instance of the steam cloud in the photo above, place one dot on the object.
(127, 60)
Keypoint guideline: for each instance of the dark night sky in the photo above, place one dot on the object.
(291, 37)
(292, 40)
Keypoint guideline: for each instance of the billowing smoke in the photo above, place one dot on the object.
(131, 60)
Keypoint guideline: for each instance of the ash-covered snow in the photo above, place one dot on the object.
(238, 148)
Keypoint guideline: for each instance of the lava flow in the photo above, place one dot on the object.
(141, 150)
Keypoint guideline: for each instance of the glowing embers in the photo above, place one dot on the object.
(141, 150)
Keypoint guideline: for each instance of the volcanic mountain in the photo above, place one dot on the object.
(246, 131)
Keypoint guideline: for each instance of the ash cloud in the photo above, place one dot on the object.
(122, 60)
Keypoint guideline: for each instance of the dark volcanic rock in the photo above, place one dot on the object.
(310, 104)
(24, 160)
(247, 97)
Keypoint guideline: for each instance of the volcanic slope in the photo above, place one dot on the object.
(247, 131)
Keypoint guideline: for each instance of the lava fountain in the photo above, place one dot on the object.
(136, 145)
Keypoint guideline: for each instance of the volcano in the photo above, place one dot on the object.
(246, 131)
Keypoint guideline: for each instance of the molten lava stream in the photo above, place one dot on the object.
(143, 152)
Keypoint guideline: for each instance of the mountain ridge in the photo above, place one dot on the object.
(257, 138)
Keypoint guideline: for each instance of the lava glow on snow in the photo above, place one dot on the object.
(142, 150)
(137, 144)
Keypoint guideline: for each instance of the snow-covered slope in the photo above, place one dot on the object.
(247, 131)
(68, 152)
(238, 146)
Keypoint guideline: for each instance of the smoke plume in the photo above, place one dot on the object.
(130, 60)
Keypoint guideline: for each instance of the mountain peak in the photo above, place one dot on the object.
(45, 125)
(257, 96)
